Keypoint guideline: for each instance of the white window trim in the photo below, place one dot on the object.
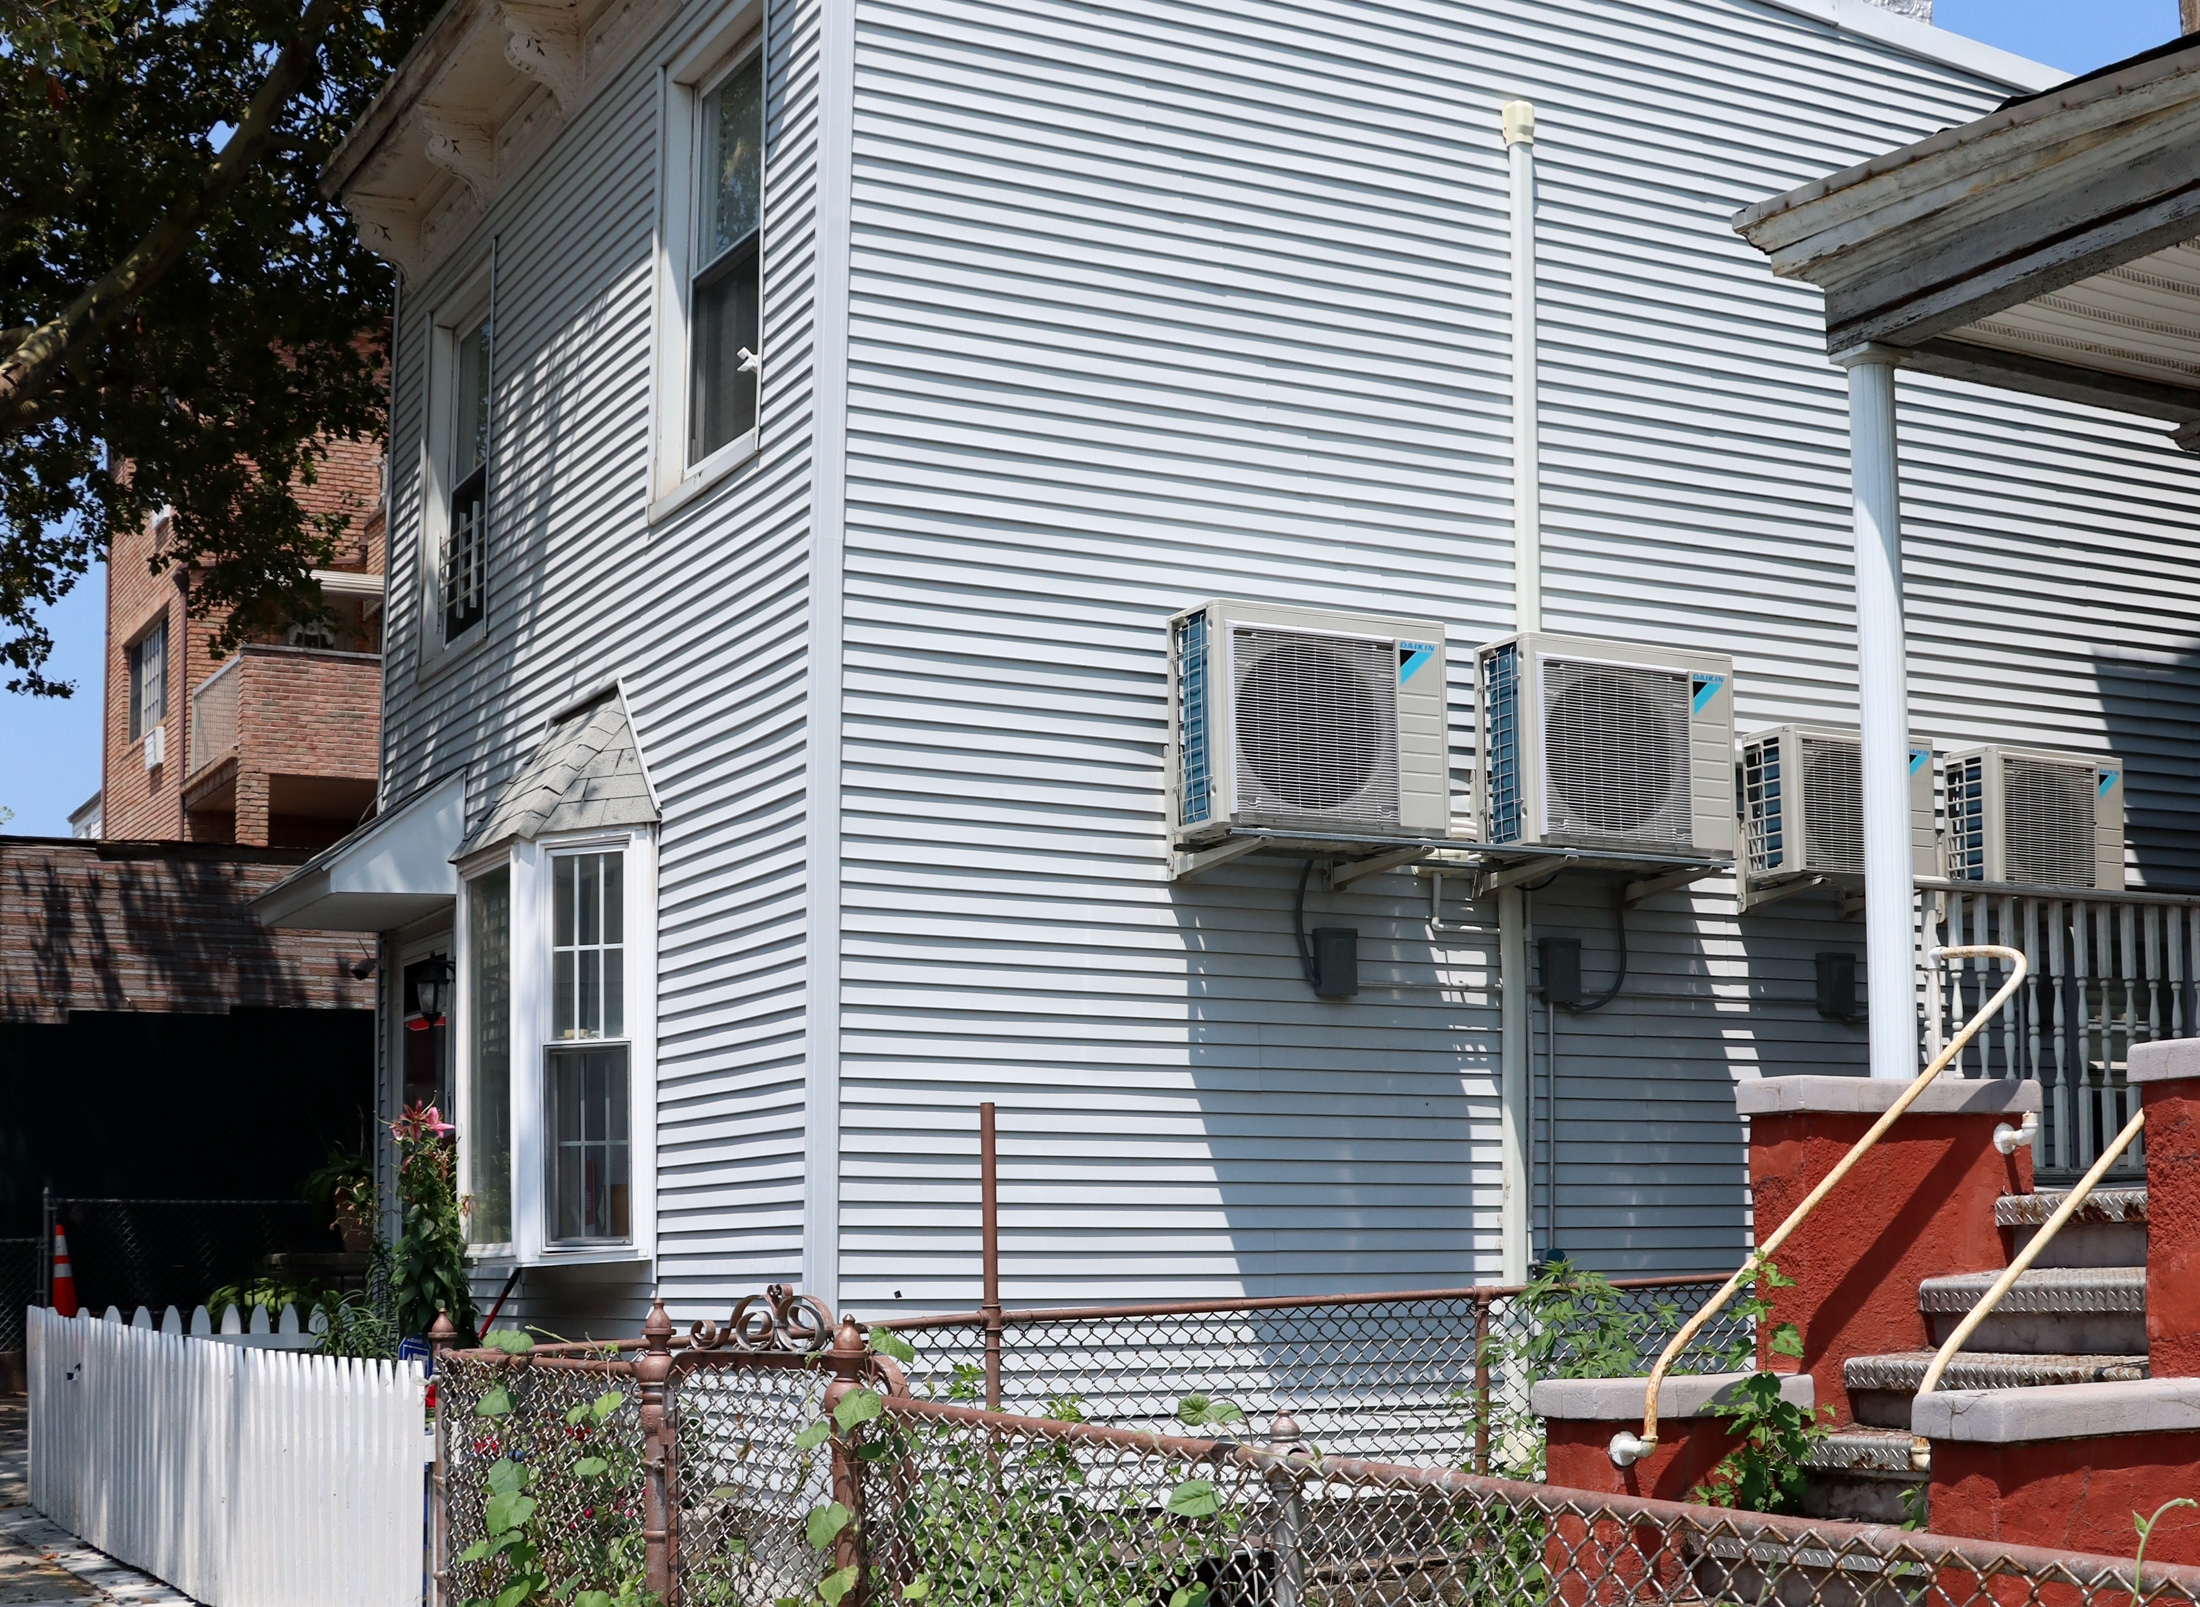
(531, 1041)
(462, 1052)
(684, 79)
(158, 622)
(446, 324)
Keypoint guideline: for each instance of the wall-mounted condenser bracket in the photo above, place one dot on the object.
(1488, 867)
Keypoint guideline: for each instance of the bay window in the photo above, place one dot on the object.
(559, 1038)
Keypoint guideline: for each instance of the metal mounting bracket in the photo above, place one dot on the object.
(1751, 899)
(1182, 865)
(1651, 887)
(1344, 873)
(1489, 882)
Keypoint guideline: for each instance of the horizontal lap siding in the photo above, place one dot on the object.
(702, 618)
(1153, 303)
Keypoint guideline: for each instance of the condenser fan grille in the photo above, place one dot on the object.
(1833, 805)
(1615, 742)
(1317, 726)
(2047, 822)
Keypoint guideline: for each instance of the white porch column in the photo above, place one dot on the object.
(1883, 713)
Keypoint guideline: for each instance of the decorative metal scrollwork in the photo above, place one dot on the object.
(785, 1322)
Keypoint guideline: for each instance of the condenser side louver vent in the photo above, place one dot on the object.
(1317, 726)
(1501, 775)
(2047, 814)
(1763, 811)
(1833, 805)
(1616, 754)
(1967, 820)
(1191, 719)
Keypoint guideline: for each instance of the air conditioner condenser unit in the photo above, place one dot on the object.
(1303, 718)
(1802, 804)
(1608, 745)
(2035, 816)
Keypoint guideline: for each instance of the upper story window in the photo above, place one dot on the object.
(466, 525)
(725, 286)
(149, 679)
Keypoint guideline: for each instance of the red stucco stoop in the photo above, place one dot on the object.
(2077, 1494)
(1919, 1205)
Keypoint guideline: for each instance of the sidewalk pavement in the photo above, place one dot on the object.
(42, 1563)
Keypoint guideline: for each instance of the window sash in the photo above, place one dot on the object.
(725, 281)
(588, 946)
(148, 660)
(465, 555)
(489, 1118)
(586, 1099)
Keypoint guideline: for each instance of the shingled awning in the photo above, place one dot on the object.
(586, 776)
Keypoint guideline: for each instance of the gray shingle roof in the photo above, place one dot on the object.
(585, 776)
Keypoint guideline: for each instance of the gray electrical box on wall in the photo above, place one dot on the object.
(1300, 717)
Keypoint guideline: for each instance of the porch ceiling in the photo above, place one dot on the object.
(2045, 247)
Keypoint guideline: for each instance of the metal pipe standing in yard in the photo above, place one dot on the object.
(651, 1372)
(989, 1232)
(1481, 1382)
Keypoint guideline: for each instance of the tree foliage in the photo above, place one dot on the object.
(218, 320)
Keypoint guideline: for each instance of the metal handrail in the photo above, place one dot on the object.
(1921, 1448)
(1627, 1448)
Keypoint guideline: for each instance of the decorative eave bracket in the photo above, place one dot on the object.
(544, 42)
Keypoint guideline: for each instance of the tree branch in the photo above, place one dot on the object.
(29, 368)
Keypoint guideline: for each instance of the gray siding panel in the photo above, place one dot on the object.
(701, 618)
(1155, 302)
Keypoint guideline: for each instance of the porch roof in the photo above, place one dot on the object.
(2041, 248)
(390, 872)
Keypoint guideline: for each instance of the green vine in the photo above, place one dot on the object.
(1764, 1472)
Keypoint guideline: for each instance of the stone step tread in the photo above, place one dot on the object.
(2042, 1291)
(1904, 1370)
(1857, 1449)
(2102, 1205)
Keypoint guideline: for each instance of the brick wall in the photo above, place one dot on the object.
(158, 927)
(142, 804)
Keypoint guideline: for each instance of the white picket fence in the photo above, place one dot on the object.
(244, 1477)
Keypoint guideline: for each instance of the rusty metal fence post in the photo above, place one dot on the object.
(652, 1371)
(1482, 1382)
(849, 1360)
(1283, 1485)
(442, 1338)
(989, 1230)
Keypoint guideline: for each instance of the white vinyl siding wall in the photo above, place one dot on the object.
(701, 619)
(1152, 303)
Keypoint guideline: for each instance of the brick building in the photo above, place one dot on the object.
(273, 745)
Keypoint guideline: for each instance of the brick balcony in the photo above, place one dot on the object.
(281, 747)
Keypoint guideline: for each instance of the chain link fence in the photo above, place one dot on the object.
(755, 1466)
(1435, 1377)
(128, 1253)
(21, 1267)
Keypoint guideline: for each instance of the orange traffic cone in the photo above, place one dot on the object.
(64, 1280)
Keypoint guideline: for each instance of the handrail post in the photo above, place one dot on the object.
(1626, 1448)
(652, 1372)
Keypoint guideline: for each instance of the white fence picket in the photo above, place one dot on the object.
(245, 1477)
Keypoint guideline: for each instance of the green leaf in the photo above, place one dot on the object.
(1192, 1595)
(507, 1511)
(1786, 1340)
(496, 1403)
(888, 1343)
(1195, 1498)
(724, 1492)
(506, 1475)
(588, 1467)
(605, 1404)
(1192, 1408)
(475, 1552)
(509, 1340)
(813, 1436)
(824, 1524)
(917, 1589)
(838, 1583)
(515, 1593)
(591, 1598)
(858, 1406)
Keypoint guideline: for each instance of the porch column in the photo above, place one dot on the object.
(1883, 712)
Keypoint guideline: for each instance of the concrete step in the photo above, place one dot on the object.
(1882, 1387)
(1862, 1474)
(2108, 1230)
(2052, 1311)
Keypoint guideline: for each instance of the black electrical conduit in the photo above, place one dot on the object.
(1619, 922)
(1298, 926)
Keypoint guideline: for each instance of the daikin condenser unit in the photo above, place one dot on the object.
(1299, 717)
(1591, 744)
(2035, 816)
(1802, 803)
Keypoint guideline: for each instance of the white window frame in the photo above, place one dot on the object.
(532, 1040)
(447, 325)
(133, 679)
(684, 79)
(462, 1048)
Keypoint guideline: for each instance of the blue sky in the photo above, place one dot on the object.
(53, 746)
